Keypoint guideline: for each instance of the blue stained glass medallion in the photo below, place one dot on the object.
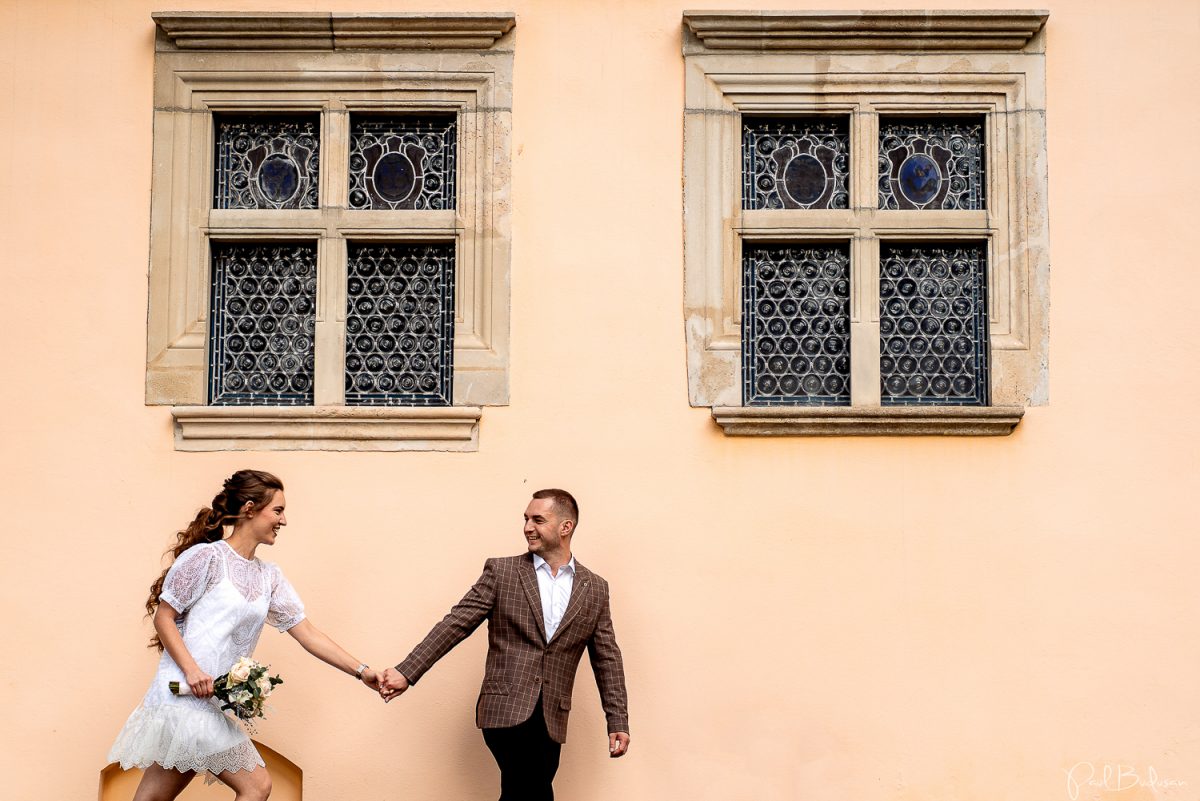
(920, 179)
(931, 163)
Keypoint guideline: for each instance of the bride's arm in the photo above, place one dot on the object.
(168, 634)
(318, 643)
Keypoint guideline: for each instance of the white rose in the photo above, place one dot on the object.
(264, 686)
(240, 672)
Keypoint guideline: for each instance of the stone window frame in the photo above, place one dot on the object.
(334, 65)
(861, 64)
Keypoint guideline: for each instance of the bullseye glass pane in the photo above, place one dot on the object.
(931, 163)
(261, 324)
(796, 325)
(933, 324)
(266, 161)
(402, 162)
(400, 324)
(795, 162)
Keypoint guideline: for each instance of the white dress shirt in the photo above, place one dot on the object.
(555, 591)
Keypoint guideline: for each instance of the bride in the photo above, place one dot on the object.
(209, 608)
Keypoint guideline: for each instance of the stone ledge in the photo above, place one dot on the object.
(873, 421)
(777, 31)
(202, 30)
(326, 428)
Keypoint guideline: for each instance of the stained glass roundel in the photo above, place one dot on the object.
(266, 161)
(804, 179)
(394, 177)
(932, 163)
(795, 162)
(920, 179)
(403, 161)
(278, 178)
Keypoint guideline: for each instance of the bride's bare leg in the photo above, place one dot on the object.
(250, 785)
(162, 784)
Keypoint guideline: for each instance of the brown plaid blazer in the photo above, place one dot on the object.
(521, 665)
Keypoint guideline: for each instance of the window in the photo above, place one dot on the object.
(330, 248)
(864, 222)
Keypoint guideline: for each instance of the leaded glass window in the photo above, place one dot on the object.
(933, 324)
(402, 162)
(930, 168)
(261, 324)
(400, 324)
(931, 163)
(266, 161)
(795, 162)
(796, 325)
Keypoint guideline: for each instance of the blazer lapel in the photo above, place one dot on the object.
(579, 589)
(530, 583)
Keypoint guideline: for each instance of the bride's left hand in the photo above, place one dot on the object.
(371, 679)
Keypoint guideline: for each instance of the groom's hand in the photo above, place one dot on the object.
(391, 684)
(618, 744)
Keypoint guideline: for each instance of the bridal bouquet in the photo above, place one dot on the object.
(243, 690)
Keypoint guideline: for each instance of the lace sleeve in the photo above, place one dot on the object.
(194, 572)
(286, 608)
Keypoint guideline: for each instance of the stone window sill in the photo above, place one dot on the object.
(326, 428)
(840, 421)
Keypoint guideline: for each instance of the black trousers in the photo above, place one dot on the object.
(527, 757)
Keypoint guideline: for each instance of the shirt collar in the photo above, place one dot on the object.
(538, 562)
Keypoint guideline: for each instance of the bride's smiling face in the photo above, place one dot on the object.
(265, 523)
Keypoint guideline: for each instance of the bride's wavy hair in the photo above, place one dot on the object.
(256, 486)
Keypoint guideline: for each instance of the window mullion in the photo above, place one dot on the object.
(330, 341)
(864, 162)
(864, 320)
(336, 147)
(864, 260)
(330, 344)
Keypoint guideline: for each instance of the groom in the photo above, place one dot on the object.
(543, 608)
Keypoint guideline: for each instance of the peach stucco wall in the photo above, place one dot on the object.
(817, 619)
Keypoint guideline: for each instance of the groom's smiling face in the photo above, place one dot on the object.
(544, 528)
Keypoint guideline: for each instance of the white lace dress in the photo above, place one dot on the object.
(223, 601)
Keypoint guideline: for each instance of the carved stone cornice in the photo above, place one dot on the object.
(197, 30)
(859, 31)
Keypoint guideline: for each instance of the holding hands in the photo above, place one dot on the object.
(388, 683)
(392, 684)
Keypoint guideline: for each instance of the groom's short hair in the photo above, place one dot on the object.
(564, 502)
